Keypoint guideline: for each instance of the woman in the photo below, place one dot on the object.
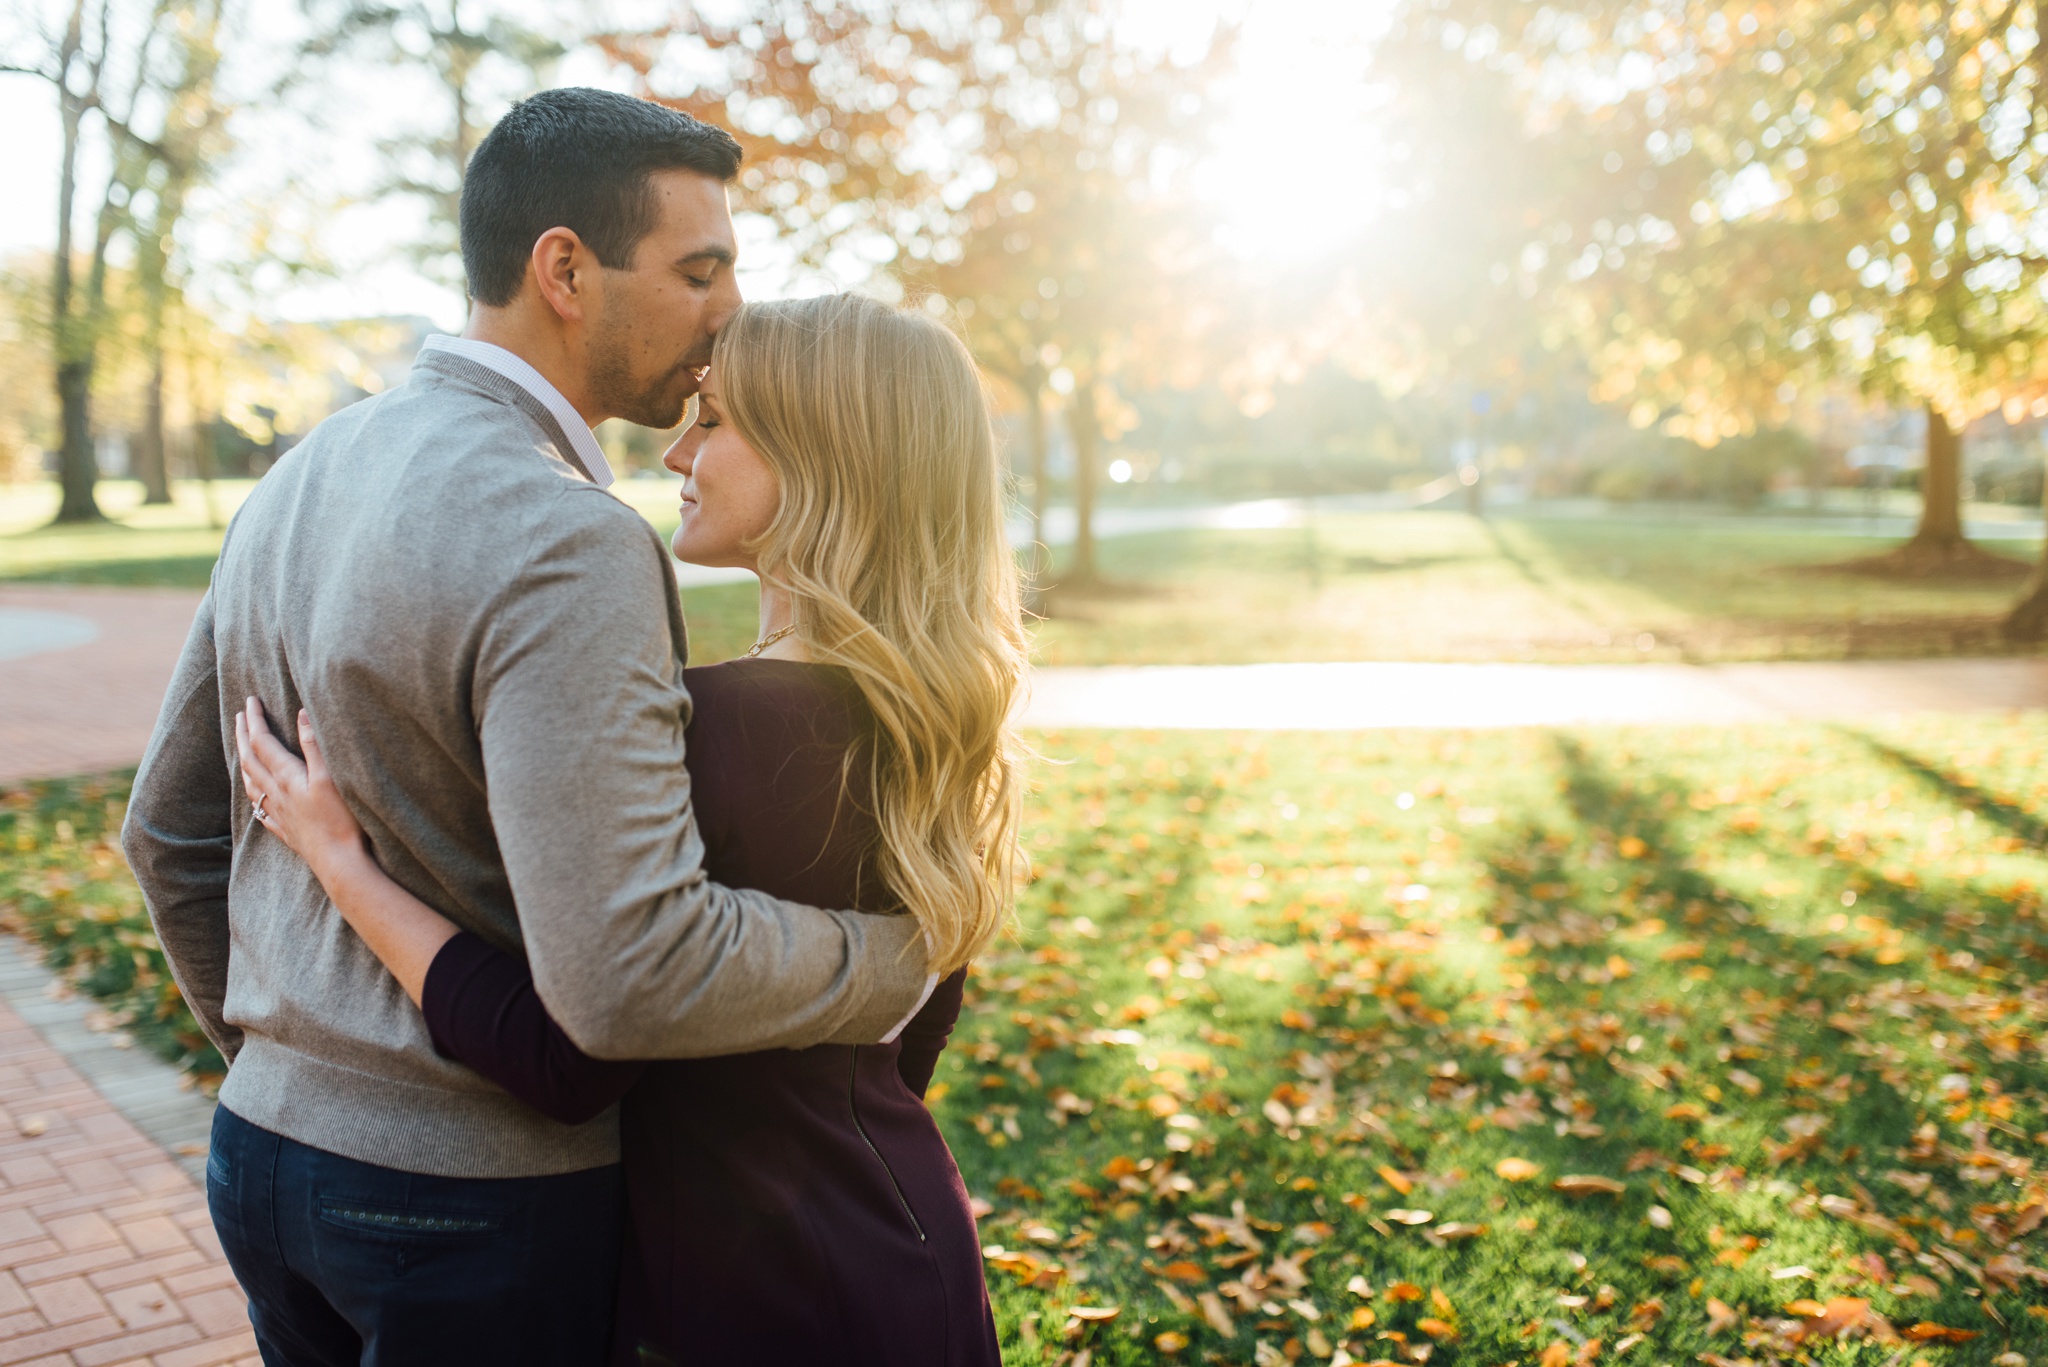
(790, 1206)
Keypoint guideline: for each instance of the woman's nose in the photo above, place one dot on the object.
(683, 453)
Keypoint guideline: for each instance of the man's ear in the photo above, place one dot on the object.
(562, 271)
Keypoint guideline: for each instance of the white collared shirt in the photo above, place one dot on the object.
(519, 372)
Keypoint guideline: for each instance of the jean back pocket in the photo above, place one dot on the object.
(370, 1217)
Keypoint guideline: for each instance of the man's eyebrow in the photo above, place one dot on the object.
(723, 256)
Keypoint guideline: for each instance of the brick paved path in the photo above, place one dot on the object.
(88, 708)
(106, 1255)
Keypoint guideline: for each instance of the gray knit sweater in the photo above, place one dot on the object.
(491, 648)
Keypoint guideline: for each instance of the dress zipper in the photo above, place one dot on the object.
(853, 1106)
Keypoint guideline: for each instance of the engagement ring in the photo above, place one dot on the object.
(261, 815)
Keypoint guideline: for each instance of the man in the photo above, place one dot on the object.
(493, 647)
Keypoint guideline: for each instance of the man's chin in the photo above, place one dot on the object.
(662, 412)
(664, 409)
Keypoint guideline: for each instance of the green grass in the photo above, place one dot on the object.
(175, 547)
(1394, 586)
(1785, 985)
(1444, 586)
(65, 887)
(163, 547)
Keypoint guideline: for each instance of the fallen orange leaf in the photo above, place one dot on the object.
(1516, 1169)
(1927, 1331)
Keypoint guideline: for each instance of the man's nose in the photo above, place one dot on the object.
(723, 306)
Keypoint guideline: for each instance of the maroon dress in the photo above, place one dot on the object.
(791, 1206)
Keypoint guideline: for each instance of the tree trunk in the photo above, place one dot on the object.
(1940, 533)
(77, 470)
(1938, 546)
(150, 466)
(1087, 433)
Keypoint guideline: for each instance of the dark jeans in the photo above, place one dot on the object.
(347, 1264)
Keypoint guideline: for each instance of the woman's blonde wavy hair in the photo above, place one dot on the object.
(890, 540)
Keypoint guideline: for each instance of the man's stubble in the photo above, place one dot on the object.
(659, 404)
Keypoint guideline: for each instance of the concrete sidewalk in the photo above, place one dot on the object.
(1368, 696)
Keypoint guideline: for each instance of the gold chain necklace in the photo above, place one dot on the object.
(770, 639)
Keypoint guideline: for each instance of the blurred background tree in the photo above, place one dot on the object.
(1010, 161)
(1737, 204)
(477, 56)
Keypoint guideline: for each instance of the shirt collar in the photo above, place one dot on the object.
(519, 372)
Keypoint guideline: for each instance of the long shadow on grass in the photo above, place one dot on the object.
(1766, 980)
(2015, 818)
(1709, 989)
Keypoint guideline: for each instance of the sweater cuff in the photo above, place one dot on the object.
(931, 981)
(454, 965)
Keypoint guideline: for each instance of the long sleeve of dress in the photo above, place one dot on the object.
(482, 1011)
(924, 1039)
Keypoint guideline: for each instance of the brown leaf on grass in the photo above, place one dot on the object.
(1587, 1184)
(1095, 1314)
(1645, 1314)
(1558, 1354)
(1451, 1231)
(2006, 1272)
(1396, 1179)
(1685, 1110)
(1927, 1331)
(1516, 1169)
(1440, 1330)
(1215, 1313)
(1234, 1228)
(1170, 1342)
(1721, 1317)
(1404, 1291)
(1184, 1271)
(1411, 1217)
(1842, 1208)
(1917, 1284)
(1841, 1317)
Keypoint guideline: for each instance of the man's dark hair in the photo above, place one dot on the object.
(580, 159)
